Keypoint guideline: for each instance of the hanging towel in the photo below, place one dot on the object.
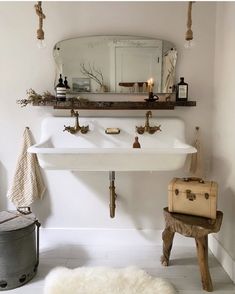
(169, 62)
(194, 163)
(27, 183)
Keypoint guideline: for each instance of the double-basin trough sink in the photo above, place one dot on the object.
(98, 151)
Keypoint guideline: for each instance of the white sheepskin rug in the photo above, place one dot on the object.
(101, 280)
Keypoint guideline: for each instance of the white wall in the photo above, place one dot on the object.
(81, 199)
(223, 163)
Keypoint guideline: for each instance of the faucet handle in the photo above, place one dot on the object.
(159, 128)
(84, 129)
(66, 128)
(140, 130)
(154, 129)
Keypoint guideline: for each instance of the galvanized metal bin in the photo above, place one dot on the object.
(19, 248)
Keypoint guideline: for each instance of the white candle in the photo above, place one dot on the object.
(150, 84)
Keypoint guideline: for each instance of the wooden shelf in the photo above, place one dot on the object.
(114, 105)
(185, 103)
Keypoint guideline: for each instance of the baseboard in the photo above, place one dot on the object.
(50, 237)
(222, 256)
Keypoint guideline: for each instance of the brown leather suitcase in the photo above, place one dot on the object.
(193, 196)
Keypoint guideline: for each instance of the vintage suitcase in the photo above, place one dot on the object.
(193, 196)
(19, 248)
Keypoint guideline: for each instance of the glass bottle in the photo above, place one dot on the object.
(66, 83)
(182, 91)
(66, 86)
(60, 90)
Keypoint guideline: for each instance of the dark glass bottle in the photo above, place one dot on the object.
(60, 90)
(66, 83)
(60, 84)
(136, 143)
(182, 91)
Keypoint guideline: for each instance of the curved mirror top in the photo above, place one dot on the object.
(116, 64)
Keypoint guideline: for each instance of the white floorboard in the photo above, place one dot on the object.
(183, 271)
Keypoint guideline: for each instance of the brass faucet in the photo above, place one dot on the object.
(77, 127)
(147, 128)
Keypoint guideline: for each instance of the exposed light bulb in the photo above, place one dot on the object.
(57, 52)
(189, 33)
(41, 44)
(189, 44)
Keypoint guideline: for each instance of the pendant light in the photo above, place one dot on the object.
(189, 33)
(40, 33)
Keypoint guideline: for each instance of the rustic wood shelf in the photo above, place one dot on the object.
(185, 103)
(114, 105)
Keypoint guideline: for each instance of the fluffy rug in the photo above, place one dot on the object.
(100, 280)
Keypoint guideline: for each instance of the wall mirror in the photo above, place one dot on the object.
(116, 64)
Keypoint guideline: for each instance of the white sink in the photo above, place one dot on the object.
(98, 151)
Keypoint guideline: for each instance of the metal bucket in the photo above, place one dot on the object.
(19, 248)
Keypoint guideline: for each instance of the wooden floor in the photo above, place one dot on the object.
(183, 271)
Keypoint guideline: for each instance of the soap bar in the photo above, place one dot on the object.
(112, 131)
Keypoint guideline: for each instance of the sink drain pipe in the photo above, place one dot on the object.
(112, 194)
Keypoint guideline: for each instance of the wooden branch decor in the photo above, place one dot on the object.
(41, 15)
(93, 73)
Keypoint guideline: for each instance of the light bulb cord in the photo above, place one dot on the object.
(41, 15)
(189, 32)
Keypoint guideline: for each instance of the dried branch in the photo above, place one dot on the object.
(99, 73)
(93, 73)
(33, 96)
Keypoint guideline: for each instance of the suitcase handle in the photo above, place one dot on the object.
(194, 179)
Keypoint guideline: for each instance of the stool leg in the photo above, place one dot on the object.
(167, 237)
(202, 255)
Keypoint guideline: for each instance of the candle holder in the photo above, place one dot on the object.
(152, 97)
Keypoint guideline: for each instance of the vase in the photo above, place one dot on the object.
(103, 88)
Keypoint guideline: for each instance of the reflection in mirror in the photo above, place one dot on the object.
(117, 64)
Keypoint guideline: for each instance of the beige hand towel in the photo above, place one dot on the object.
(27, 183)
(194, 162)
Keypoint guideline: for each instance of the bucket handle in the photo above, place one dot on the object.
(24, 210)
(37, 223)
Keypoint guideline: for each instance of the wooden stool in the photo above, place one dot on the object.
(195, 227)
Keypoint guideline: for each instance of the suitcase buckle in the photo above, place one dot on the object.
(190, 196)
(207, 195)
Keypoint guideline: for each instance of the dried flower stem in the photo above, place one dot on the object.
(33, 96)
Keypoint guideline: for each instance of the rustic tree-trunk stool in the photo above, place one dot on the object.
(195, 227)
